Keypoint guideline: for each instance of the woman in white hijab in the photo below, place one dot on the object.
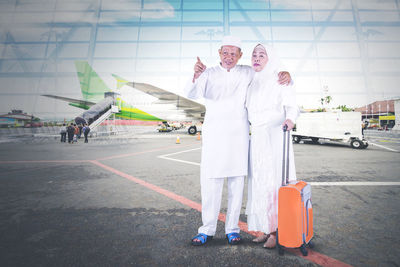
(270, 106)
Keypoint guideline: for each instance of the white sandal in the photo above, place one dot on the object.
(261, 238)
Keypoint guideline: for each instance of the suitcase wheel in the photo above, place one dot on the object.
(303, 250)
(281, 251)
(280, 248)
(311, 244)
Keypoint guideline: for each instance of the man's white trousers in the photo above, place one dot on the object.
(211, 195)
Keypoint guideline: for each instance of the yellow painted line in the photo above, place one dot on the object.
(389, 141)
(380, 137)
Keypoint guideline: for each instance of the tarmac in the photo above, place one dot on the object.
(134, 200)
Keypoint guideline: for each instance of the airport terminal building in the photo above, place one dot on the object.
(348, 49)
(18, 118)
(381, 112)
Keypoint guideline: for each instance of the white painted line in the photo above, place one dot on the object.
(180, 152)
(349, 183)
(166, 156)
(359, 183)
(179, 160)
(383, 147)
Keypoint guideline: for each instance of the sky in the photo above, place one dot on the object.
(348, 49)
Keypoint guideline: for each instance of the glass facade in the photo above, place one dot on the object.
(348, 49)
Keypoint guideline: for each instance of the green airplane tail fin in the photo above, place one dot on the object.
(120, 81)
(92, 86)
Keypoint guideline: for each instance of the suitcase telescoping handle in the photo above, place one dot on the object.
(285, 160)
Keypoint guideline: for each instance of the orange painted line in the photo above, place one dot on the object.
(313, 256)
(319, 258)
(42, 161)
(169, 194)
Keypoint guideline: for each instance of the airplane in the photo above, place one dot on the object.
(165, 106)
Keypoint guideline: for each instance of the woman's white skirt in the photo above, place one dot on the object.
(265, 177)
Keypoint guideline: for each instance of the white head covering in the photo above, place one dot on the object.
(231, 40)
(274, 63)
(263, 94)
(270, 71)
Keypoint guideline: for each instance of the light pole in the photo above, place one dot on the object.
(379, 115)
(372, 111)
(387, 107)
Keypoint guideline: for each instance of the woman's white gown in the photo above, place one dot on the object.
(268, 104)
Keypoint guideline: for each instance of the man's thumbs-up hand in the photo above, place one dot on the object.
(199, 68)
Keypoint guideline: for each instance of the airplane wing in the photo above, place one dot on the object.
(191, 108)
(77, 102)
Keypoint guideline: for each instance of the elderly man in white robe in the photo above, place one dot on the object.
(225, 137)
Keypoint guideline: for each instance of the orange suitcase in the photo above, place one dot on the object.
(295, 213)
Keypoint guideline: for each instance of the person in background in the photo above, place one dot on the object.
(76, 133)
(63, 132)
(80, 130)
(86, 131)
(70, 132)
(270, 107)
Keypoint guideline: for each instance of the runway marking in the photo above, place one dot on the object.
(169, 194)
(88, 160)
(43, 161)
(166, 156)
(383, 138)
(180, 152)
(179, 160)
(353, 183)
(394, 150)
(140, 152)
(313, 256)
(383, 141)
(347, 183)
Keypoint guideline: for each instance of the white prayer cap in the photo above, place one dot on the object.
(231, 40)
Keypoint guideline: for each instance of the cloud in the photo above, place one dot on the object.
(159, 10)
(111, 12)
(154, 10)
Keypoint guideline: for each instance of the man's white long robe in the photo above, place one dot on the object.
(225, 135)
(225, 130)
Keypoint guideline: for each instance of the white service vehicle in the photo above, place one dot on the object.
(333, 126)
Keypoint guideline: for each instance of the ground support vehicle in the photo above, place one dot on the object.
(165, 127)
(337, 126)
(193, 129)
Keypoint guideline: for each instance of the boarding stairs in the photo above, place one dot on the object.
(106, 115)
